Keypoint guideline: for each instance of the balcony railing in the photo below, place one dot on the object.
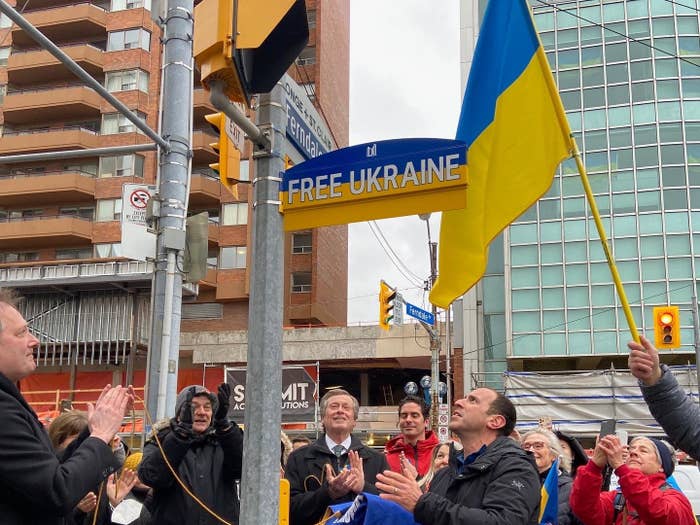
(13, 133)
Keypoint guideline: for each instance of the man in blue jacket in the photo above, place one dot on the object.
(37, 488)
(491, 481)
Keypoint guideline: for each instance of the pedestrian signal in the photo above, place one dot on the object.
(387, 294)
(667, 327)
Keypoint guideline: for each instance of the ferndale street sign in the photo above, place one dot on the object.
(390, 178)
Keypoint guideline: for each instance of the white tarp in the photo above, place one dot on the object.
(578, 401)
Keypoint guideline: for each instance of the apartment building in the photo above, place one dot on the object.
(60, 235)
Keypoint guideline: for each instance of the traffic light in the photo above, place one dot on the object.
(229, 165)
(667, 327)
(252, 56)
(387, 294)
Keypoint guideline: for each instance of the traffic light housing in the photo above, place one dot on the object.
(667, 327)
(387, 294)
(229, 165)
(252, 56)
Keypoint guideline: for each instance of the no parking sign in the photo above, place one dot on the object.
(137, 241)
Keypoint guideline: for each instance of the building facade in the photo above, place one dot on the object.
(60, 235)
(629, 77)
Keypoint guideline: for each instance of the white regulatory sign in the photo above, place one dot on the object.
(137, 242)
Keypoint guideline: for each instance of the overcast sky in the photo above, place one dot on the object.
(404, 82)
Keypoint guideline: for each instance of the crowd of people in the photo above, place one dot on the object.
(80, 472)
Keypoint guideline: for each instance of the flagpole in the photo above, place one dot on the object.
(604, 241)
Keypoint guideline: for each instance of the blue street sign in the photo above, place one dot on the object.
(420, 314)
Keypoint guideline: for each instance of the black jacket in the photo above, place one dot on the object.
(501, 487)
(306, 474)
(35, 487)
(209, 468)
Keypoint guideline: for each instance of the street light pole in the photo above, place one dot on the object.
(433, 332)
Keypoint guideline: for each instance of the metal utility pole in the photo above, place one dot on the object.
(171, 212)
(433, 333)
(263, 416)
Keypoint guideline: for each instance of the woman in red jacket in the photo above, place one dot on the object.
(644, 496)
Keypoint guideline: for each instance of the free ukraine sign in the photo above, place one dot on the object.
(377, 180)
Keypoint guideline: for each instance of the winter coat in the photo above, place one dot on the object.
(564, 484)
(501, 487)
(420, 455)
(209, 466)
(35, 487)
(309, 488)
(648, 501)
(677, 413)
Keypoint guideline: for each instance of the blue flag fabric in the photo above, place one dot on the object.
(550, 497)
(369, 509)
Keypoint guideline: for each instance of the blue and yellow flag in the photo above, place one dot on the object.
(516, 132)
(550, 497)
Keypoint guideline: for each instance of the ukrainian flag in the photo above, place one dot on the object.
(550, 497)
(516, 132)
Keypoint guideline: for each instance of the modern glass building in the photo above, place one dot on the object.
(629, 77)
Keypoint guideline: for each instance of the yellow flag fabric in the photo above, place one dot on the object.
(513, 122)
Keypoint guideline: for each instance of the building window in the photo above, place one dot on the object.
(74, 253)
(84, 212)
(307, 57)
(113, 123)
(5, 21)
(4, 54)
(121, 166)
(213, 258)
(233, 257)
(3, 91)
(129, 39)
(120, 5)
(127, 80)
(234, 214)
(311, 18)
(301, 282)
(19, 215)
(113, 249)
(109, 210)
(244, 174)
(301, 242)
(10, 257)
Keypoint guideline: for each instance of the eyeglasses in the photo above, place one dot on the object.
(536, 445)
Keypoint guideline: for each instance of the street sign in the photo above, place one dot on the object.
(137, 241)
(234, 132)
(398, 309)
(420, 314)
(390, 178)
(306, 128)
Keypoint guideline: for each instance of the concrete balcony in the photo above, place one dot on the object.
(70, 102)
(205, 191)
(63, 23)
(46, 188)
(45, 232)
(203, 154)
(36, 140)
(39, 66)
(84, 275)
(202, 105)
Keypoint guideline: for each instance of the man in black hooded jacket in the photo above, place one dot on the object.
(205, 448)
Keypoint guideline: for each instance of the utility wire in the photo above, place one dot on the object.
(395, 262)
(388, 245)
(619, 33)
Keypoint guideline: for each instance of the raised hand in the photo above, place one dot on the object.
(356, 480)
(644, 361)
(181, 424)
(338, 485)
(221, 421)
(88, 503)
(106, 416)
(118, 487)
